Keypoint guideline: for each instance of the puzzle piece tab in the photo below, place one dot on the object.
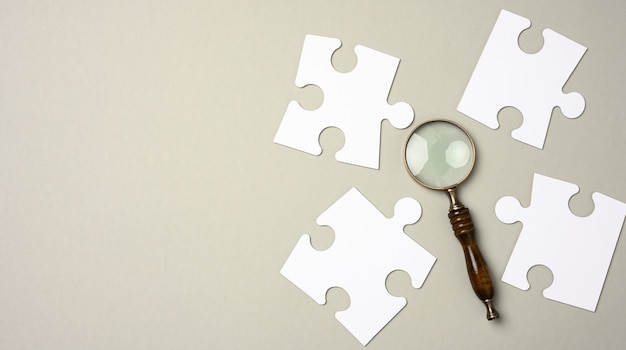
(367, 248)
(355, 102)
(578, 250)
(532, 83)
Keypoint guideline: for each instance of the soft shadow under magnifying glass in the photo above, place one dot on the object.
(440, 155)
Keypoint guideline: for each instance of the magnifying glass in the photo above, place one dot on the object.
(439, 154)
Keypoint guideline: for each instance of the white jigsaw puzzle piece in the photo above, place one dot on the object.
(578, 250)
(533, 83)
(355, 102)
(367, 248)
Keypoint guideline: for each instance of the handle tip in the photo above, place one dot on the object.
(492, 313)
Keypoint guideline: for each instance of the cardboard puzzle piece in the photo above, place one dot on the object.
(355, 102)
(578, 250)
(367, 248)
(533, 83)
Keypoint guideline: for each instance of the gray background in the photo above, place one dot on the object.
(145, 206)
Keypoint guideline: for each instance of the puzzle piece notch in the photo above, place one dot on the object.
(354, 102)
(367, 248)
(577, 250)
(506, 76)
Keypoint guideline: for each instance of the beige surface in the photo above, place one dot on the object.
(145, 206)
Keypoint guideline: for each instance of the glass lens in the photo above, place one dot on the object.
(439, 154)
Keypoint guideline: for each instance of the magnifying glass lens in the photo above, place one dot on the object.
(440, 154)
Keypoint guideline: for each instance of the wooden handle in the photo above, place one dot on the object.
(476, 266)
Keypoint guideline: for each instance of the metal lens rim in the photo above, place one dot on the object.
(406, 165)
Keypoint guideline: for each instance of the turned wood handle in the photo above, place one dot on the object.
(476, 266)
